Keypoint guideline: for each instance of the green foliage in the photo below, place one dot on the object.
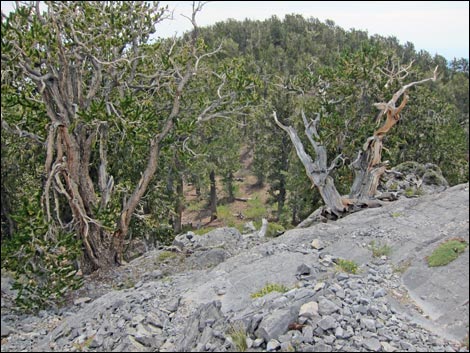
(203, 231)
(256, 60)
(166, 256)
(446, 252)
(274, 230)
(411, 167)
(256, 209)
(268, 288)
(224, 213)
(413, 192)
(196, 206)
(238, 334)
(347, 266)
(43, 263)
(379, 249)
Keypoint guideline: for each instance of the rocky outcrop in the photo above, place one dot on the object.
(393, 303)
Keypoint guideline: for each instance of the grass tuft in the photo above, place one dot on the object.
(379, 250)
(238, 334)
(347, 266)
(446, 252)
(166, 255)
(268, 288)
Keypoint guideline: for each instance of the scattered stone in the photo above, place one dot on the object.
(387, 347)
(319, 286)
(322, 347)
(258, 342)
(82, 300)
(329, 312)
(276, 323)
(317, 244)
(272, 345)
(369, 324)
(249, 342)
(286, 347)
(303, 269)
(309, 310)
(326, 307)
(327, 322)
(380, 293)
(339, 332)
(157, 274)
(5, 329)
(372, 344)
(407, 346)
(307, 333)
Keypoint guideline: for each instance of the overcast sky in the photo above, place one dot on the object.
(440, 27)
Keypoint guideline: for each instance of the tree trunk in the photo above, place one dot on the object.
(197, 184)
(318, 171)
(213, 196)
(229, 183)
(177, 226)
(367, 166)
(281, 197)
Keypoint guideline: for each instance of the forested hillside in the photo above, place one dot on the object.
(104, 127)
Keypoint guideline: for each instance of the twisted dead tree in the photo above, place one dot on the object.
(368, 166)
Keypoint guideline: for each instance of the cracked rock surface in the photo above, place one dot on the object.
(195, 299)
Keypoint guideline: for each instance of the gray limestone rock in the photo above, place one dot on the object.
(327, 322)
(303, 269)
(326, 307)
(272, 345)
(309, 310)
(5, 329)
(276, 323)
(372, 344)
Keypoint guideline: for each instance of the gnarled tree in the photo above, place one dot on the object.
(87, 61)
(368, 166)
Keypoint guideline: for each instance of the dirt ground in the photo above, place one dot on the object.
(197, 213)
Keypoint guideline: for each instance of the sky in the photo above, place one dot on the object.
(439, 27)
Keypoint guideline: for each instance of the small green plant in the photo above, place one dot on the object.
(166, 255)
(396, 214)
(238, 334)
(274, 230)
(203, 231)
(268, 288)
(196, 206)
(348, 266)
(256, 209)
(411, 192)
(224, 214)
(446, 252)
(379, 250)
